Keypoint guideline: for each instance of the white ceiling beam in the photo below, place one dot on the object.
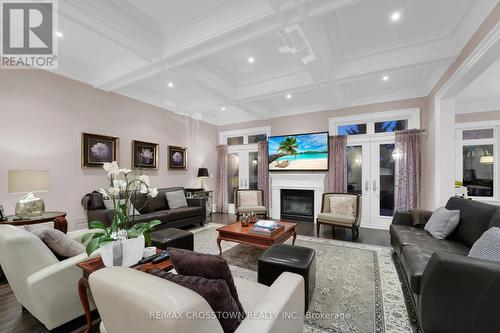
(117, 22)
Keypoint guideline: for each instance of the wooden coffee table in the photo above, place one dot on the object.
(235, 232)
(95, 264)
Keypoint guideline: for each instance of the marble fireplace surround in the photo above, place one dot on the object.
(296, 181)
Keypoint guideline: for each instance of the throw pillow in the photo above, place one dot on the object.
(206, 265)
(176, 199)
(131, 209)
(487, 247)
(58, 242)
(442, 222)
(248, 199)
(215, 292)
(420, 216)
(342, 204)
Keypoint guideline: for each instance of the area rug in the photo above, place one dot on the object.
(357, 285)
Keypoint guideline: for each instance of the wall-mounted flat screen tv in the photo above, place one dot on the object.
(299, 152)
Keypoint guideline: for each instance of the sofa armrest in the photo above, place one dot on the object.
(78, 234)
(54, 291)
(197, 202)
(285, 300)
(460, 294)
(402, 218)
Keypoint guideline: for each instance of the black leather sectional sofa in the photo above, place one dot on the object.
(150, 209)
(452, 292)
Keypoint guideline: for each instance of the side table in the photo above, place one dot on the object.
(95, 264)
(59, 219)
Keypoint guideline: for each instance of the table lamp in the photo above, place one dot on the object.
(203, 174)
(29, 181)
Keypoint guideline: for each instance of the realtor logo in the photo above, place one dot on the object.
(28, 34)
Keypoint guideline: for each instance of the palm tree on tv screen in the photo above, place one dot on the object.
(289, 146)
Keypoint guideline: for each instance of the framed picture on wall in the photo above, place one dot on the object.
(98, 149)
(144, 155)
(177, 158)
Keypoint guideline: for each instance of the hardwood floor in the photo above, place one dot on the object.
(14, 319)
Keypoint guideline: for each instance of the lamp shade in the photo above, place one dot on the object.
(22, 181)
(203, 172)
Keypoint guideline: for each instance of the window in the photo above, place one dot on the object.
(391, 126)
(235, 141)
(352, 129)
(257, 138)
(476, 164)
(478, 170)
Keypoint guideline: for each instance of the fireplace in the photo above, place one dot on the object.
(297, 205)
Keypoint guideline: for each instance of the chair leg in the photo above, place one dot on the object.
(353, 230)
(333, 230)
(317, 228)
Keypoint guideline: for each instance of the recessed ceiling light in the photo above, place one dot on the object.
(59, 34)
(223, 108)
(385, 78)
(396, 16)
(251, 60)
(288, 96)
(170, 84)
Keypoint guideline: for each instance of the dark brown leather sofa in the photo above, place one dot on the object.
(452, 292)
(152, 209)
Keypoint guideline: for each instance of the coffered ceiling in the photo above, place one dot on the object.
(227, 61)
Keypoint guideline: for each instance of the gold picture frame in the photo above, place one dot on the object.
(98, 149)
(177, 158)
(145, 155)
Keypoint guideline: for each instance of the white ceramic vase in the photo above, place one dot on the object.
(123, 253)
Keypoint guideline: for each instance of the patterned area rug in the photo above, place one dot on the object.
(357, 285)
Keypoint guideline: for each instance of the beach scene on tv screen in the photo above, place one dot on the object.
(299, 152)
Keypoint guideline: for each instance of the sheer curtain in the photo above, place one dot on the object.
(337, 161)
(407, 170)
(263, 172)
(221, 198)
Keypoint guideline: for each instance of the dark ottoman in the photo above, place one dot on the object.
(281, 258)
(172, 237)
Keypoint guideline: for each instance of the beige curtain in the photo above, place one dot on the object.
(407, 182)
(221, 198)
(263, 171)
(336, 178)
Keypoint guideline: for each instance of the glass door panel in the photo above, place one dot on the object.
(386, 180)
(253, 158)
(354, 169)
(233, 175)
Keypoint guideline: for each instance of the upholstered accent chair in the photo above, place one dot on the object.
(348, 214)
(44, 286)
(132, 301)
(246, 201)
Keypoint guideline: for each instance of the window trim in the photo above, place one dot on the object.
(459, 160)
(244, 132)
(411, 115)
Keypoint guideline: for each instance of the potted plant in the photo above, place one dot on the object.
(120, 243)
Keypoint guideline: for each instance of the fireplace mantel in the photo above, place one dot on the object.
(298, 181)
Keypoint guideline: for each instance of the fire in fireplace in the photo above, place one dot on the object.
(297, 205)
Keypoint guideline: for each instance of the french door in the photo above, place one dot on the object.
(370, 172)
(241, 171)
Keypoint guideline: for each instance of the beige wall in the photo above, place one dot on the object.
(477, 116)
(43, 116)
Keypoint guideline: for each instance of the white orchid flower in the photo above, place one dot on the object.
(145, 179)
(125, 171)
(120, 184)
(114, 191)
(111, 168)
(153, 192)
(104, 193)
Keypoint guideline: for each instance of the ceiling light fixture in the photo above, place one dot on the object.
(251, 60)
(288, 96)
(396, 16)
(385, 78)
(223, 108)
(170, 84)
(59, 34)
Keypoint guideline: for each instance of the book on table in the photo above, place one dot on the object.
(268, 224)
(257, 230)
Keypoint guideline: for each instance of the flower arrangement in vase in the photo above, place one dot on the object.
(120, 243)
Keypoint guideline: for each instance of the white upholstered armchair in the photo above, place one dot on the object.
(132, 301)
(247, 201)
(43, 285)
